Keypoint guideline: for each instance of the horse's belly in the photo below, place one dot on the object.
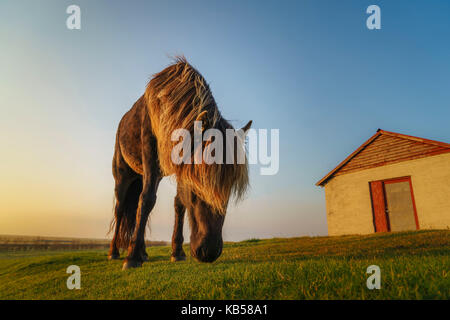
(130, 139)
(133, 159)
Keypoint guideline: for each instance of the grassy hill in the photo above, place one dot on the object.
(414, 265)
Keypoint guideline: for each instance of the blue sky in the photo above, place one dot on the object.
(309, 68)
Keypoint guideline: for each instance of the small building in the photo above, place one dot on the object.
(393, 182)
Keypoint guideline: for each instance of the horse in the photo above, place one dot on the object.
(174, 98)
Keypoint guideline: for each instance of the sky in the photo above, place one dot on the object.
(311, 69)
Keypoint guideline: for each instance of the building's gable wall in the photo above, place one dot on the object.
(349, 207)
(387, 149)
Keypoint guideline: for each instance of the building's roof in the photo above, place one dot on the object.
(384, 148)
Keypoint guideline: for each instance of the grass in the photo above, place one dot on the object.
(414, 265)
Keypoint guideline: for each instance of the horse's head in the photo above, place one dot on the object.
(206, 231)
(205, 220)
(206, 226)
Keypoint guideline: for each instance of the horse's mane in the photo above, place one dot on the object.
(175, 97)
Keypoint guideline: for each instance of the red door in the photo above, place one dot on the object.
(393, 205)
(379, 207)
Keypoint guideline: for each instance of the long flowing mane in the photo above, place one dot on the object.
(175, 97)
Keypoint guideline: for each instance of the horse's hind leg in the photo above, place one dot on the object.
(127, 193)
(119, 212)
(177, 237)
(114, 249)
(124, 178)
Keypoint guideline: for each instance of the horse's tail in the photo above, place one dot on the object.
(126, 219)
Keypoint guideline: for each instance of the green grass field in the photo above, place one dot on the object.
(414, 265)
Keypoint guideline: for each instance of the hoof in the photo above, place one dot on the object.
(145, 258)
(131, 264)
(114, 256)
(177, 258)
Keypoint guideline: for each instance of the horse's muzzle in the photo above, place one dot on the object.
(207, 251)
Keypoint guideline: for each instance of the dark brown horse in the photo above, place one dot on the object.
(174, 99)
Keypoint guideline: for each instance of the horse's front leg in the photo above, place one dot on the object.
(177, 237)
(150, 180)
(147, 201)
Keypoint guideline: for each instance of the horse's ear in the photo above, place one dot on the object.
(200, 117)
(247, 126)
